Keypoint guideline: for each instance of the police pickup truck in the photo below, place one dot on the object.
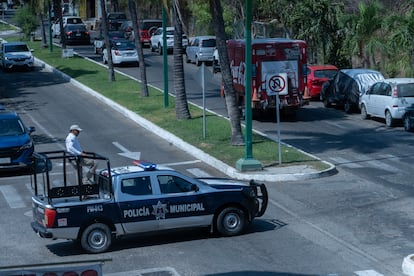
(140, 198)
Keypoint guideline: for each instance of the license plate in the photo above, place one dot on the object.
(78, 34)
(5, 160)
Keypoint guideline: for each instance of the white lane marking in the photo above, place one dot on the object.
(346, 163)
(335, 124)
(153, 271)
(198, 173)
(126, 152)
(368, 273)
(182, 163)
(14, 200)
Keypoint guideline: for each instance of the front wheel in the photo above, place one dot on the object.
(96, 238)
(407, 123)
(348, 107)
(364, 114)
(231, 221)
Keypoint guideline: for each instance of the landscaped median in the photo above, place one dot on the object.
(127, 93)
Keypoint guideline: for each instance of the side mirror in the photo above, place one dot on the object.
(31, 129)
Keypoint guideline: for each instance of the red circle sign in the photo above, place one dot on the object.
(277, 84)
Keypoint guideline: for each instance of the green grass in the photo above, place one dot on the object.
(126, 92)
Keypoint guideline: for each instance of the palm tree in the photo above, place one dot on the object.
(138, 45)
(181, 105)
(104, 26)
(237, 138)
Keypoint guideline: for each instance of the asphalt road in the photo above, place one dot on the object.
(357, 222)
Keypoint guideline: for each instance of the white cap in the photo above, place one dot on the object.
(75, 127)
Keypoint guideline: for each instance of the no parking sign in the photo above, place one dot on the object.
(276, 84)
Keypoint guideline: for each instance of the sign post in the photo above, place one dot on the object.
(277, 85)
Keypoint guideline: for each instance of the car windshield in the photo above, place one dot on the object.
(406, 90)
(10, 127)
(16, 48)
(208, 43)
(117, 16)
(149, 24)
(80, 28)
(325, 73)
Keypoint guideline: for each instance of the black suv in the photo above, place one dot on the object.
(16, 144)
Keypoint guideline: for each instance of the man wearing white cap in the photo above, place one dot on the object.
(73, 146)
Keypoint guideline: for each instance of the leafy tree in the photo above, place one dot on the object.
(26, 20)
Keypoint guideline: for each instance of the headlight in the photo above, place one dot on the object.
(27, 145)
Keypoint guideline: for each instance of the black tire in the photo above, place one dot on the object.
(152, 48)
(159, 49)
(231, 222)
(389, 121)
(348, 107)
(96, 238)
(407, 123)
(187, 60)
(364, 114)
(198, 63)
(326, 103)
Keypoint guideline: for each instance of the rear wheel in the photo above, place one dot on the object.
(389, 121)
(231, 222)
(348, 107)
(407, 123)
(96, 238)
(159, 49)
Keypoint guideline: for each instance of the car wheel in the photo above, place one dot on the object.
(348, 107)
(187, 59)
(231, 221)
(104, 60)
(326, 103)
(96, 238)
(198, 63)
(159, 49)
(389, 121)
(152, 48)
(364, 114)
(407, 123)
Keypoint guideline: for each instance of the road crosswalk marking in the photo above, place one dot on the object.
(13, 199)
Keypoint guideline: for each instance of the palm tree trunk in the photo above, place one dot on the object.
(138, 45)
(181, 105)
(237, 138)
(104, 26)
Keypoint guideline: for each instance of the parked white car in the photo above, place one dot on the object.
(123, 52)
(157, 40)
(66, 20)
(388, 99)
(201, 49)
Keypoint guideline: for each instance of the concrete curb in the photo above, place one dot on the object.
(271, 174)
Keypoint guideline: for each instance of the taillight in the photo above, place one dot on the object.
(50, 216)
(395, 92)
(116, 52)
(68, 33)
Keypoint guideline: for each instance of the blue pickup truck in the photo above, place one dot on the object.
(140, 198)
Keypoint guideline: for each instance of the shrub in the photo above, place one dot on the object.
(26, 20)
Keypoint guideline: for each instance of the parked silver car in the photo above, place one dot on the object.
(388, 99)
(201, 49)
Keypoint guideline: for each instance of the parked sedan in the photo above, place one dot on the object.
(388, 99)
(317, 75)
(77, 34)
(123, 52)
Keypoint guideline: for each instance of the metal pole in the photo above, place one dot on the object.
(50, 28)
(165, 57)
(203, 66)
(278, 126)
(248, 81)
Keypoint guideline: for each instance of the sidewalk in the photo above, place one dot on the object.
(270, 174)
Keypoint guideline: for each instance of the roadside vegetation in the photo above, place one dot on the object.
(216, 143)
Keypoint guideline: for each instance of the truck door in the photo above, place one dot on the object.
(180, 203)
(136, 200)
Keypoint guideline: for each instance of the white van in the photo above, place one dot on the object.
(388, 99)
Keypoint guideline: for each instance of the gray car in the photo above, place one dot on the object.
(201, 49)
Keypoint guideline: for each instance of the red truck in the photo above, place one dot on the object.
(278, 68)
